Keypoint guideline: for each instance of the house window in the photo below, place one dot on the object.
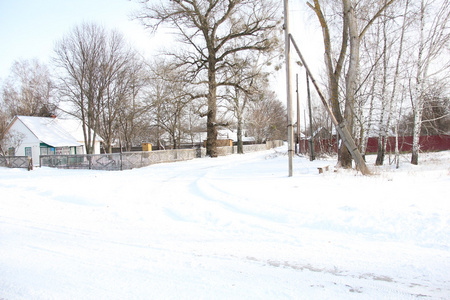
(76, 150)
(47, 150)
(79, 150)
(28, 151)
(44, 151)
(11, 151)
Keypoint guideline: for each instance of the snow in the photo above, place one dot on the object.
(233, 227)
(49, 131)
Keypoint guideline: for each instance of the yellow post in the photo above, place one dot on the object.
(146, 147)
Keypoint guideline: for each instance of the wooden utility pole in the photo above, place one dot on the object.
(312, 155)
(288, 87)
(298, 115)
(305, 140)
(340, 127)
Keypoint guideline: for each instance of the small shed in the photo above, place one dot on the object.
(47, 136)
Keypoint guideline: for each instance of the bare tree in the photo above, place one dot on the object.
(245, 83)
(213, 31)
(267, 118)
(131, 121)
(123, 83)
(9, 141)
(434, 39)
(382, 143)
(28, 90)
(167, 101)
(95, 68)
(334, 66)
(4, 121)
(194, 123)
(79, 59)
(367, 93)
(436, 112)
(352, 32)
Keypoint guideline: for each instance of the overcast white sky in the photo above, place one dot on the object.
(30, 28)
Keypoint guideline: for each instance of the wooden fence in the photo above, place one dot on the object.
(24, 162)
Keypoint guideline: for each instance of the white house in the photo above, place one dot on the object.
(47, 136)
(225, 134)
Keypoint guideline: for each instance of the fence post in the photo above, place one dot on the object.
(30, 164)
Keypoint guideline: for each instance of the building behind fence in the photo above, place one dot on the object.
(131, 160)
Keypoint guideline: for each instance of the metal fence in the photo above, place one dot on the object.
(117, 161)
(426, 143)
(24, 162)
(131, 160)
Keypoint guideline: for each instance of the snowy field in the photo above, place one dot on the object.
(232, 227)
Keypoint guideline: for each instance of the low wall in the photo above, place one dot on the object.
(221, 151)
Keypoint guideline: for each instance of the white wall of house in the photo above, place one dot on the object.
(30, 144)
(74, 127)
(97, 147)
(29, 140)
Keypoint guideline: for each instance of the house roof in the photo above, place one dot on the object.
(318, 130)
(221, 134)
(51, 131)
(231, 134)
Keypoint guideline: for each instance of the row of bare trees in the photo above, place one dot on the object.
(98, 77)
(28, 90)
(221, 40)
(384, 60)
(387, 62)
(221, 76)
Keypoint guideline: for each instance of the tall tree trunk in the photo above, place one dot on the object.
(382, 126)
(334, 70)
(418, 91)
(211, 126)
(351, 77)
(397, 151)
(366, 134)
(394, 85)
(240, 144)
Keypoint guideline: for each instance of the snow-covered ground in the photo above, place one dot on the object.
(232, 227)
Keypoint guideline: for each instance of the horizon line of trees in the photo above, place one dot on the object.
(146, 107)
(214, 82)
